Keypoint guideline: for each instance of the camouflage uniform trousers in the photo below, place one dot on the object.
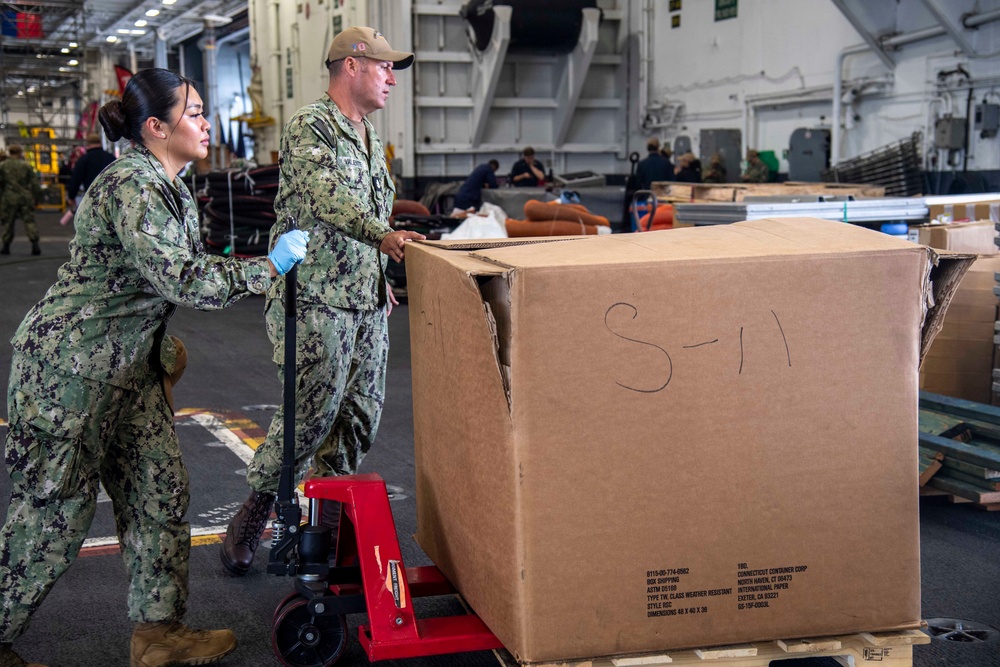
(341, 358)
(26, 214)
(65, 435)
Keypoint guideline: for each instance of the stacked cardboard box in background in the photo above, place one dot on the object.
(961, 211)
(966, 237)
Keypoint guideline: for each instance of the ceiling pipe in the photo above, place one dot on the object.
(160, 52)
(648, 58)
(208, 47)
(838, 101)
(910, 37)
(975, 20)
(955, 32)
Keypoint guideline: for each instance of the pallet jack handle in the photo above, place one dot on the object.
(288, 514)
(649, 198)
(286, 481)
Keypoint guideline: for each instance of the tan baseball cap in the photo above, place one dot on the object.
(367, 43)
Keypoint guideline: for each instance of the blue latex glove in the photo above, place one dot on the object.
(289, 250)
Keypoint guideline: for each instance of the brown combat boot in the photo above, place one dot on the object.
(163, 644)
(244, 533)
(10, 659)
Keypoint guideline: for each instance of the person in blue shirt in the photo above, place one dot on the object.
(654, 167)
(85, 171)
(88, 166)
(470, 195)
(527, 172)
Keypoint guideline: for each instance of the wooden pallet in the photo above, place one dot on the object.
(736, 192)
(875, 649)
(930, 463)
(959, 500)
(968, 435)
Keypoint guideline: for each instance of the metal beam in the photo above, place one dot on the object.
(863, 24)
(577, 65)
(487, 74)
(950, 19)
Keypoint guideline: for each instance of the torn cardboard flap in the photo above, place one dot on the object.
(496, 302)
(946, 272)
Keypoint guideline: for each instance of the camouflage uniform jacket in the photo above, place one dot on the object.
(137, 254)
(19, 185)
(342, 195)
(757, 172)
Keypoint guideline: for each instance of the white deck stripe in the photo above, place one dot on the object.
(113, 541)
(217, 427)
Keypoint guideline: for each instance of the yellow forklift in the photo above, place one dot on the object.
(43, 154)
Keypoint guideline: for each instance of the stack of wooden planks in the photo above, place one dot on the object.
(670, 191)
(960, 450)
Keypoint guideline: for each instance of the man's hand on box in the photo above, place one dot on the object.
(394, 242)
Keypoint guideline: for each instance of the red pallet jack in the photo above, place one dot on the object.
(365, 575)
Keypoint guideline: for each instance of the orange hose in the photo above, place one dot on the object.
(543, 212)
(521, 228)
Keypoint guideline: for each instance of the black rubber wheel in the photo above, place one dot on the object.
(301, 639)
(281, 605)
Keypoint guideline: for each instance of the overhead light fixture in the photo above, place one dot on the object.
(64, 50)
(137, 32)
(74, 62)
(169, 2)
(153, 12)
(112, 39)
(141, 23)
(73, 45)
(63, 69)
(122, 31)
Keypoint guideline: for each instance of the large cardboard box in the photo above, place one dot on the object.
(694, 437)
(972, 237)
(960, 361)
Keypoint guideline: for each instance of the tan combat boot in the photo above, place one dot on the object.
(164, 644)
(10, 659)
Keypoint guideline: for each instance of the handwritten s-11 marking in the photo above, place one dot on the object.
(669, 362)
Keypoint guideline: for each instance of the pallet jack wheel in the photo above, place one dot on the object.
(302, 639)
(281, 605)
